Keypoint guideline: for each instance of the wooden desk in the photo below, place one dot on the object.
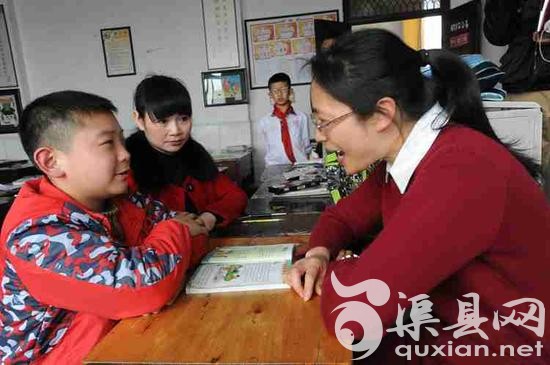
(269, 326)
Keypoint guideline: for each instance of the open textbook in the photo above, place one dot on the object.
(242, 268)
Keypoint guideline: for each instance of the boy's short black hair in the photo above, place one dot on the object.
(52, 119)
(279, 77)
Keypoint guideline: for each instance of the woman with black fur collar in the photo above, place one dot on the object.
(169, 164)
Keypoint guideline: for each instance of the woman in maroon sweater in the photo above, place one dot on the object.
(464, 221)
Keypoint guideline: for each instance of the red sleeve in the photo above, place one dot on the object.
(352, 218)
(73, 265)
(452, 206)
(229, 201)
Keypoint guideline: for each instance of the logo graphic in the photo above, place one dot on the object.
(378, 293)
(528, 313)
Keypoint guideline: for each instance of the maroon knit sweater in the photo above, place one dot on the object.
(471, 220)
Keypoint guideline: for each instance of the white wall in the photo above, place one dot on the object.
(62, 47)
(62, 50)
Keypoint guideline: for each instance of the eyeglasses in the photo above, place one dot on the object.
(282, 91)
(322, 125)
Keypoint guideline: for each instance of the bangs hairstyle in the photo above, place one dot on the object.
(160, 97)
(52, 119)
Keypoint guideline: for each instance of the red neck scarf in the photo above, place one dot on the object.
(285, 134)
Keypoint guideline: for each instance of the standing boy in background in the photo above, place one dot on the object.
(76, 253)
(285, 130)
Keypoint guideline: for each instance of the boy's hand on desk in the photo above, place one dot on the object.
(190, 220)
(312, 268)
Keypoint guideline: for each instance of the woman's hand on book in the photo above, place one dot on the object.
(312, 269)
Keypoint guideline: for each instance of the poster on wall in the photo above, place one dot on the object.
(282, 44)
(224, 87)
(118, 51)
(10, 110)
(7, 66)
(220, 30)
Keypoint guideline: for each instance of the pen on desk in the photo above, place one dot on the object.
(263, 220)
(260, 216)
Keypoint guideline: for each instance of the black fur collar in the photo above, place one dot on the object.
(152, 169)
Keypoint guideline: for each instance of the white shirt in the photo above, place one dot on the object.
(417, 144)
(270, 127)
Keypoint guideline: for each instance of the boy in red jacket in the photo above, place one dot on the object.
(75, 256)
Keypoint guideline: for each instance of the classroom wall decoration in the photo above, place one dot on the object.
(8, 77)
(224, 87)
(118, 51)
(10, 110)
(282, 44)
(220, 30)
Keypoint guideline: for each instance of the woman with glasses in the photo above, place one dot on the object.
(285, 130)
(169, 164)
(464, 220)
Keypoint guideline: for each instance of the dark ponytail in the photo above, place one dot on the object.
(457, 90)
(362, 67)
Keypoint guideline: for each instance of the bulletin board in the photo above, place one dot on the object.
(282, 44)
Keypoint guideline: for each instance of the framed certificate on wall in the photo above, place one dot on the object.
(220, 33)
(118, 51)
(8, 78)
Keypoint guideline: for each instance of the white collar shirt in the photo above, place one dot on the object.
(298, 127)
(417, 144)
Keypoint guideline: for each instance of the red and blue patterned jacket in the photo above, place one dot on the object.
(64, 280)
